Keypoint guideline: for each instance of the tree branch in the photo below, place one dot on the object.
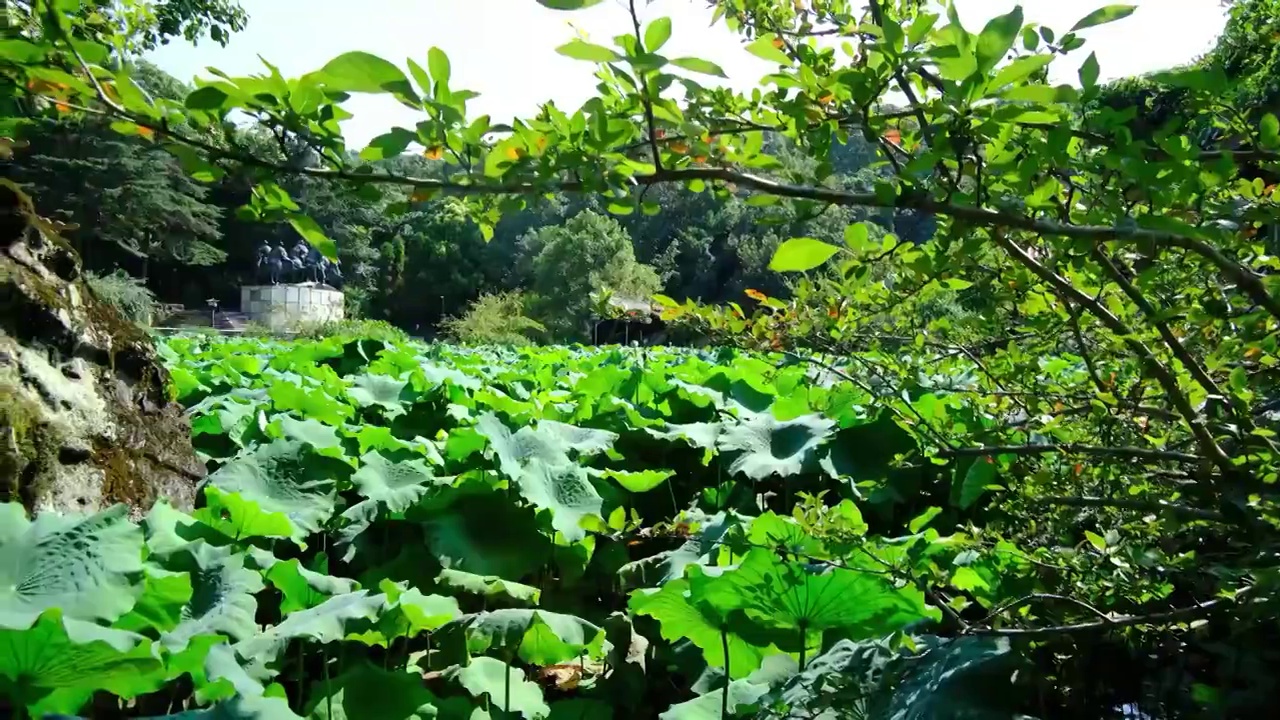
(1168, 382)
(1070, 449)
(1151, 506)
(1249, 282)
(1153, 316)
(645, 100)
(1027, 599)
(1113, 623)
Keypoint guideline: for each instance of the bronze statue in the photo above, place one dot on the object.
(316, 264)
(301, 263)
(277, 262)
(261, 263)
(298, 260)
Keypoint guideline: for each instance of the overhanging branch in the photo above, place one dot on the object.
(1069, 449)
(1158, 618)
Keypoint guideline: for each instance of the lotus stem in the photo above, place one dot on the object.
(724, 697)
(328, 693)
(506, 689)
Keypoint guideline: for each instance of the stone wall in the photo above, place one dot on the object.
(285, 307)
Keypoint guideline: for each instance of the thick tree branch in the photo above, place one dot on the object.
(1175, 345)
(1070, 293)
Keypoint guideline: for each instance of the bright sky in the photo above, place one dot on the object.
(505, 49)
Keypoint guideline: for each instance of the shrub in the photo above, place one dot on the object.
(371, 329)
(497, 318)
(125, 293)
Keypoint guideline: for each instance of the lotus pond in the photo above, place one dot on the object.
(413, 531)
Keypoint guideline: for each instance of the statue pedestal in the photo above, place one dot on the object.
(285, 307)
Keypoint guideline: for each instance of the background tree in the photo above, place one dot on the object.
(588, 255)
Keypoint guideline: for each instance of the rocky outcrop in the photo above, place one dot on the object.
(85, 416)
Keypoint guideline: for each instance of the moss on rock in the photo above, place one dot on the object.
(85, 416)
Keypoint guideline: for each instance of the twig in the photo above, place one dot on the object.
(645, 100)
(1019, 602)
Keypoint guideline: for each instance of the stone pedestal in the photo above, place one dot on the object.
(285, 307)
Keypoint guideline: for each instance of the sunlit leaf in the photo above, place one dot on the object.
(583, 50)
(1103, 15)
(800, 254)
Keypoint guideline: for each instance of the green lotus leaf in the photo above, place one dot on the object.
(394, 485)
(539, 463)
(87, 566)
(505, 686)
(490, 586)
(231, 516)
(324, 623)
(462, 443)
(538, 637)
(57, 662)
(169, 530)
(283, 477)
(366, 691)
(584, 441)
(767, 446)
(704, 547)
(240, 708)
(770, 530)
(581, 709)
(516, 450)
(380, 391)
(165, 593)
(794, 595)
(322, 438)
(309, 402)
(702, 435)
(462, 537)
(566, 491)
(222, 601)
(378, 437)
(409, 612)
(227, 417)
(636, 480)
(220, 674)
(680, 619)
(969, 676)
(300, 587)
(941, 678)
(438, 375)
(744, 695)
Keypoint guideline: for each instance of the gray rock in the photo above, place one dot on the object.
(85, 417)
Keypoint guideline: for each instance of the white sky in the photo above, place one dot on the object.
(505, 49)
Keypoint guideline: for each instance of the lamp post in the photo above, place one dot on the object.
(213, 312)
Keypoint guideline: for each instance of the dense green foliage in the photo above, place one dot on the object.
(495, 319)
(1046, 435)
(380, 509)
(126, 294)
